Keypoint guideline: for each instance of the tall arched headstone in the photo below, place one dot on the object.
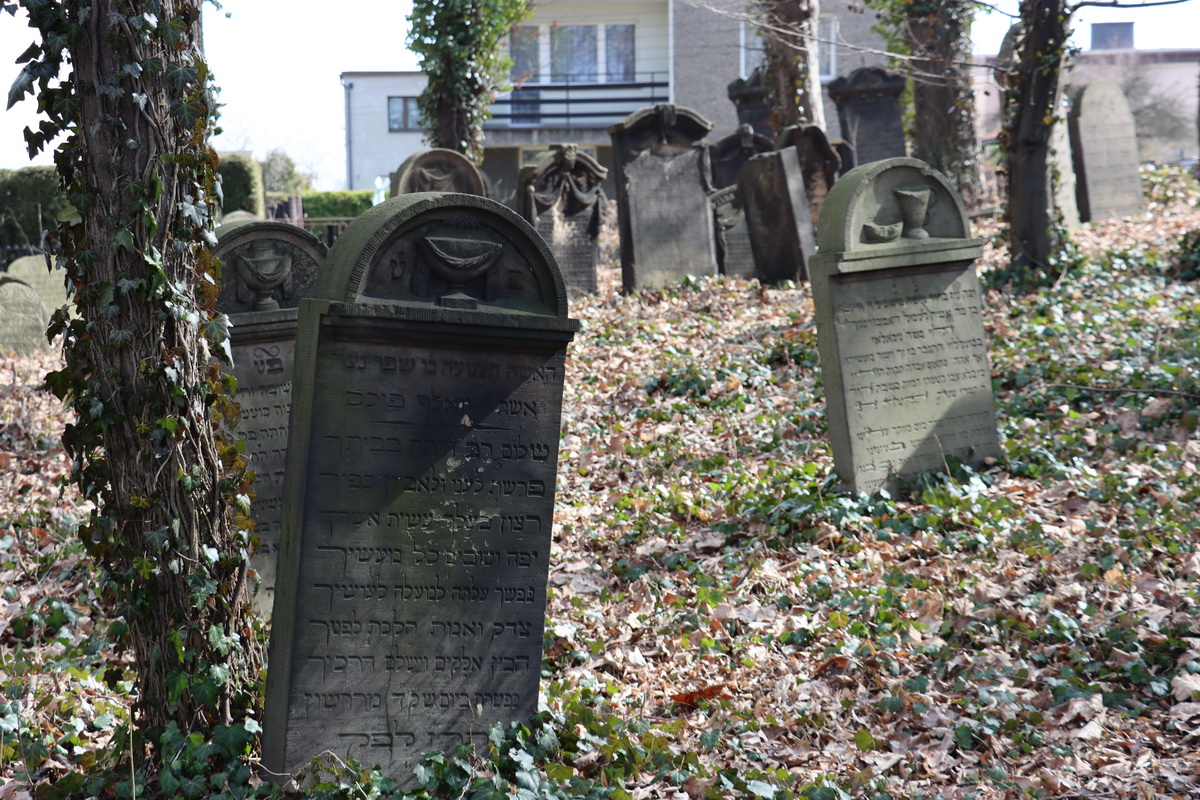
(23, 318)
(900, 327)
(663, 210)
(420, 487)
(1104, 143)
(438, 170)
(266, 267)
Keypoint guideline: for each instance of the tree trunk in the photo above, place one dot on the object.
(1032, 100)
(793, 77)
(944, 120)
(150, 444)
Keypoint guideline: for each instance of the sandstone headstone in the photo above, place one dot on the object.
(420, 486)
(238, 215)
(734, 253)
(777, 216)
(1104, 142)
(563, 198)
(727, 156)
(900, 327)
(266, 267)
(49, 284)
(23, 318)
(819, 163)
(663, 212)
(438, 170)
(868, 104)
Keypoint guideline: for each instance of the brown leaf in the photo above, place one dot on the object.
(692, 699)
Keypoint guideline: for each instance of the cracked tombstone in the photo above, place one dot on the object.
(23, 318)
(563, 199)
(420, 487)
(663, 211)
(777, 216)
(437, 170)
(266, 268)
(1104, 142)
(900, 327)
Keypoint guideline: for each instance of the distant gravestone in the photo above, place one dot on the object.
(749, 97)
(868, 104)
(734, 252)
(49, 284)
(23, 318)
(438, 170)
(900, 327)
(420, 488)
(266, 267)
(663, 211)
(563, 198)
(777, 216)
(1104, 143)
(727, 156)
(819, 163)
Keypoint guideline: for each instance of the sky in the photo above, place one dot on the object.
(279, 62)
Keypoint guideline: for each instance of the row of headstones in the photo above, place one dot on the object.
(402, 404)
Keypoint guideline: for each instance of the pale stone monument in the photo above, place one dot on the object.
(1104, 143)
(777, 216)
(438, 170)
(420, 487)
(663, 211)
(23, 318)
(266, 267)
(50, 284)
(900, 328)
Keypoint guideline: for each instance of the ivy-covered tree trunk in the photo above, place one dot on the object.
(1031, 102)
(943, 127)
(169, 530)
(793, 74)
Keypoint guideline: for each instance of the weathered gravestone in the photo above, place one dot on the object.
(727, 156)
(781, 230)
(1104, 143)
(266, 267)
(819, 163)
(23, 318)
(749, 97)
(734, 252)
(420, 486)
(563, 198)
(899, 326)
(438, 170)
(868, 104)
(663, 211)
(50, 285)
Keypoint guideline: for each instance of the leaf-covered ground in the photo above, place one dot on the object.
(725, 622)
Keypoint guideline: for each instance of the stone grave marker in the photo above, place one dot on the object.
(23, 318)
(663, 211)
(777, 217)
(266, 267)
(563, 198)
(438, 170)
(868, 104)
(734, 252)
(420, 487)
(749, 97)
(1104, 143)
(50, 285)
(819, 163)
(900, 327)
(727, 156)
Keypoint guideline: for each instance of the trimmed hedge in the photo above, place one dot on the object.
(23, 193)
(242, 184)
(337, 204)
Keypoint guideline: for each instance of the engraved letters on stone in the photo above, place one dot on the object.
(420, 487)
(900, 328)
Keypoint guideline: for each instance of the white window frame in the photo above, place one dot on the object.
(827, 33)
(545, 68)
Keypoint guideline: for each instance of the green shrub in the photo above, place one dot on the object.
(242, 184)
(1187, 261)
(29, 203)
(337, 204)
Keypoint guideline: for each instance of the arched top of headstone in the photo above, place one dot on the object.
(50, 284)
(266, 265)
(888, 204)
(237, 215)
(811, 144)
(565, 174)
(1102, 100)
(23, 318)
(455, 251)
(866, 81)
(743, 140)
(664, 123)
(438, 170)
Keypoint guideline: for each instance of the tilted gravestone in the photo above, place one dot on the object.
(734, 252)
(563, 198)
(23, 318)
(727, 156)
(781, 230)
(868, 104)
(266, 267)
(420, 486)
(819, 163)
(50, 285)
(438, 170)
(1104, 143)
(663, 211)
(900, 327)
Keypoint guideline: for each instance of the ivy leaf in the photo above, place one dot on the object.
(68, 213)
(124, 238)
(760, 789)
(22, 86)
(864, 740)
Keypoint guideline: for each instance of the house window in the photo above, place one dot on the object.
(525, 50)
(557, 53)
(403, 114)
(827, 28)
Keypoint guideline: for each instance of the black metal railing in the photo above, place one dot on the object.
(588, 104)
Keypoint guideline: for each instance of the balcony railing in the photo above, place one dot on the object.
(578, 104)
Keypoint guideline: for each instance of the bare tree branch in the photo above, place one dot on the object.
(1119, 4)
